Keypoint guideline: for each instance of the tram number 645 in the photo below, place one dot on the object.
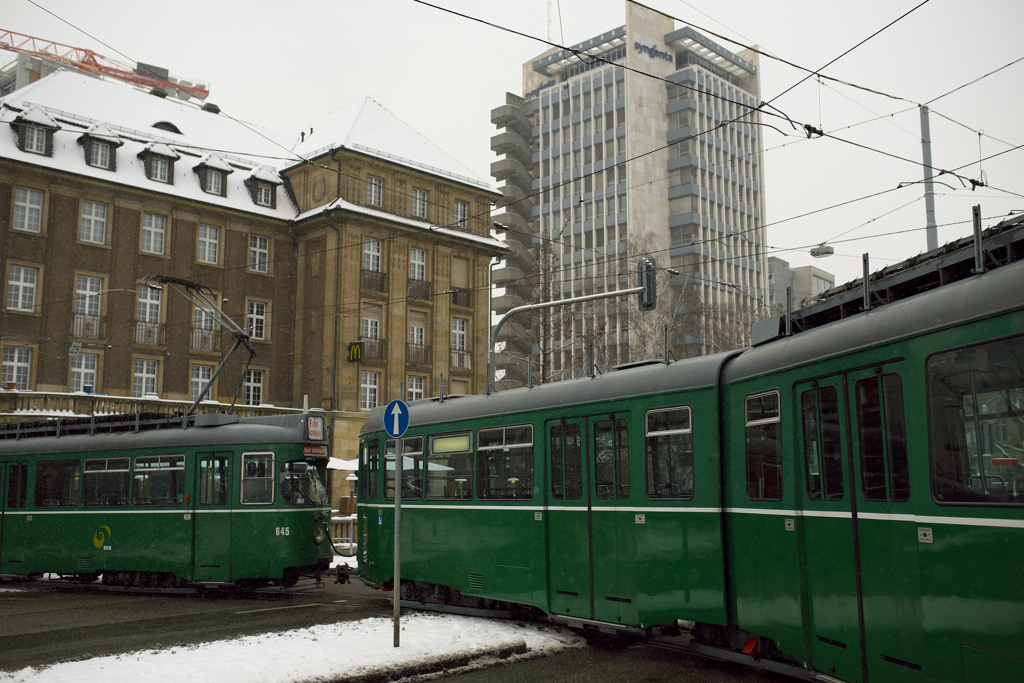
(282, 531)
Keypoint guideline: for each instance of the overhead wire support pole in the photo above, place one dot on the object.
(931, 231)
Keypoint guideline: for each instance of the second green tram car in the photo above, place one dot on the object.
(162, 502)
(845, 503)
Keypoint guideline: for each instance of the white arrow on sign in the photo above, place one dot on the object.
(396, 411)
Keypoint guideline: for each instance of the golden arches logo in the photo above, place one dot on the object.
(99, 538)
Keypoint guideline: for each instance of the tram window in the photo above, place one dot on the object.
(505, 463)
(17, 486)
(566, 462)
(412, 468)
(159, 480)
(371, 471)
(823, 456)
(764, 446)
(976, 423)
(450, 467)
(106, 482)
(301, 485)
(669, 461)
(611, 459)
(882, 439)
(213, 479)
(257, 478)
(57, 483)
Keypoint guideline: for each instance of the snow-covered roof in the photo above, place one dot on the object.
(366, 126)
(38, 116)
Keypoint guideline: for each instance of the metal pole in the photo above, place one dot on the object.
(931, 231)
(396, 590)
(979, 253)
(867, 288)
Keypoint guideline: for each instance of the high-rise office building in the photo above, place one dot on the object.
(643, 141)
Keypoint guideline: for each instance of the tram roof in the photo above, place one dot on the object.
(117, 433)
(977, 297)
(636, 380)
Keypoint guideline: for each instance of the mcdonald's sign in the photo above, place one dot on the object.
(355, 352)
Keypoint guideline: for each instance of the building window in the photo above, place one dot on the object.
(154, 232)
(374, 190)
(264, 195)
(256, 320)
(201, 376)
(417, 264)
(368, 389)
(253, 388)
(207, 244)
(35, 140)
(371, 255)
(461, 213)
(259, 253)
(415, 388)
(204, 338)
(459, 334)
(419, 203)
(86, 322)
(371, 328)
(416, 335)
(83, 371)
(21, 288)
(28, 210)
(160, 169)
(214, 182)
(144, 377)
(93, 223)
(99, 154)
(17, 367)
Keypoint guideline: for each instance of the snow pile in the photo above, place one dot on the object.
(355, 650)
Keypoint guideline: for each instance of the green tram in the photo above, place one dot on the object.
(165, 502)
(841, 503)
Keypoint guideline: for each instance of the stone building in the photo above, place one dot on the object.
(368, 233)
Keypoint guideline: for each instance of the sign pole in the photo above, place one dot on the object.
(396, 421)
(397, 589)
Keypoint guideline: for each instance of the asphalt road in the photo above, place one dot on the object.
(45, 624)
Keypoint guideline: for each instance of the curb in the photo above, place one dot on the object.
(434, 666)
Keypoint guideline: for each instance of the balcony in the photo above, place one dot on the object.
(151, 334)
(417, 354)
(374, 348)
(461, 360)
(86, 326)
(205, 340)
(374, 281)
(419, 289)
(462, 297)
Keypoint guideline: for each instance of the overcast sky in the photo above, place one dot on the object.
(284, 65)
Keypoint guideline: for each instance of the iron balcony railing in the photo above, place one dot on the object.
(375, 281)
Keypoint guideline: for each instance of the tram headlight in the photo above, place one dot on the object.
(319, 536)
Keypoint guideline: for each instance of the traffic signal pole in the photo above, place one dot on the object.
(646, 290)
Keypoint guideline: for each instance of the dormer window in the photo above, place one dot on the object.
(35, 130)
(35, 140)
(262, 185)
(100, 147)
(264, 194)
(159, 162)
(99, 154)
(213, 172)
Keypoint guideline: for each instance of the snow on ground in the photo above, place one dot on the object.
(325, 652)
(334, 652)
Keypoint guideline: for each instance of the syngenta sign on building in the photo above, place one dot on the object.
(652, 51)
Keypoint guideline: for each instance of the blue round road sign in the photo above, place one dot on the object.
(396, 418)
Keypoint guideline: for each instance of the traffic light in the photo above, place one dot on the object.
(355, 352)
(647, 274)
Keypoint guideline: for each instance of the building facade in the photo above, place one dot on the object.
(650, 150)
(383, 243)
(805, 282)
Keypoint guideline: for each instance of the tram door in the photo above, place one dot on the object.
(13, 496)
(828, 525)
(212, 517)
(588, 480)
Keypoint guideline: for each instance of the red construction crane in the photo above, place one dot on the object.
(87, 60)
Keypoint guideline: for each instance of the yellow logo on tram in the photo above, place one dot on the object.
(99, 538)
